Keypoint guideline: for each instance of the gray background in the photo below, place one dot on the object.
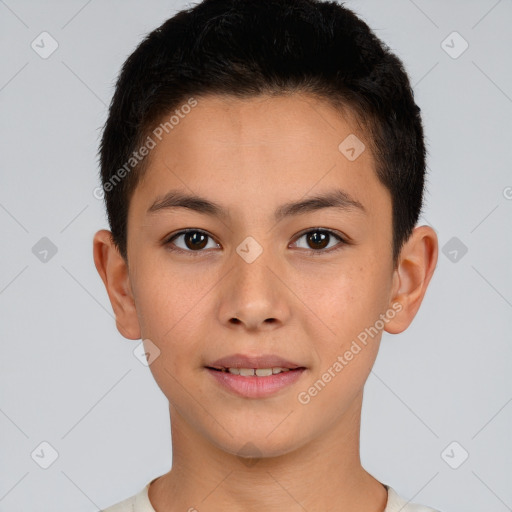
(70, 379)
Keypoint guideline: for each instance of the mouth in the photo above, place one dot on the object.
(248, 384)
(254, 377)
(255, 372)
(253, 362)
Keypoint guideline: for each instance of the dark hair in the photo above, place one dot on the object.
(245, 48)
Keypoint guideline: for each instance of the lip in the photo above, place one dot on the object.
(246, 361)
(255, 387)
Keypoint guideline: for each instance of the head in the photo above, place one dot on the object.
(248, 49)
(278, 117)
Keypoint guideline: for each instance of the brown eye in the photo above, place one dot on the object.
(195, 240)
(318, 240)
(191, 240)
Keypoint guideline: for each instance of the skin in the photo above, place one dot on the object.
(251, 156)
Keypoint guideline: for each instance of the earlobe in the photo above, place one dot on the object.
(113, 271)
(417, 262)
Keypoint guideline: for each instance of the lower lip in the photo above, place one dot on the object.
(256, 387)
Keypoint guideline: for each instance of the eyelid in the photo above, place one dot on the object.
(333, 232)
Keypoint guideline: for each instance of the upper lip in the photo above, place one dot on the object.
(246, 361)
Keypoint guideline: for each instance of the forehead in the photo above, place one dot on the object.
(264, 120)
(261, 151)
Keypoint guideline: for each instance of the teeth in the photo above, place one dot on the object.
(263, 372)
(258, 372)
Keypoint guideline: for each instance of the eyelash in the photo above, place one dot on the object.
(318, 252)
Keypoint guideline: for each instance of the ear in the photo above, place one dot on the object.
(417, 262)
(113, 270)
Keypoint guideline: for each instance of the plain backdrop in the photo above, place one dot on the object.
(437, 412)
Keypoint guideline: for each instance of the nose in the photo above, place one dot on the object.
(252, 296)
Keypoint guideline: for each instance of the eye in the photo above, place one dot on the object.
(193, 241)
(319, 239)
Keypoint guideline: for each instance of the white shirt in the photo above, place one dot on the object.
(140, 503)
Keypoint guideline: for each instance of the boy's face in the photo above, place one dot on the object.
(306, 298)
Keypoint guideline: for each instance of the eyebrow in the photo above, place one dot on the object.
(337, 198)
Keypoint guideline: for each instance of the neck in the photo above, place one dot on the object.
(324, 474)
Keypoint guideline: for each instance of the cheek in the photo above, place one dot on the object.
(166, 291)
(349, 303)
(169, 304)
(346, 299)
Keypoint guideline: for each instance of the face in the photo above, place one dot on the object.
(257, 277)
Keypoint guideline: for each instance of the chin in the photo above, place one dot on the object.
(259, 444)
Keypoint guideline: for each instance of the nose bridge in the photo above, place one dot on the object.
(252, 295)
(251, 273)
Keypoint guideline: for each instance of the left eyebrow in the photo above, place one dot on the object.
(334, 199)
(337, 198)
